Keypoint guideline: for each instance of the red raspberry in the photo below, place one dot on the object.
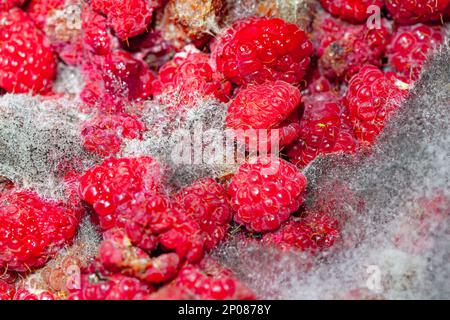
(25, 294)
(98, 286)
(371, 97)
(210, 281)
(115, 79)
(95, 33)
(260, 49)
(206, 201)
(32, 229)
(26, 63)
(324, 129)
(265, 192)
(128, 18)
(151, 220)
(114, 182)
(186, 238)
(344, 48)
(40, 10)
(104, 134)
(6, 5)
(410, 47)
(350, 10)
(266, 106)
(117, 254)
(410, 12)
(187, 77)
(317, 231)
(7, 291)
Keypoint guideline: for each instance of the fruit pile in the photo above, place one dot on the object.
(325, 83)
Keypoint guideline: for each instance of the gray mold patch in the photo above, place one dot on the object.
(385, 252)
(38, 139)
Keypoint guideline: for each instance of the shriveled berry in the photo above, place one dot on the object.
(318, 231)
(344, 48)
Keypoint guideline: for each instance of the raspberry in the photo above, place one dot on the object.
(115, 79)
(7, 291)
(206, 201)
(95, 34)
(317, 231)
(118, 255)
(186, 238)
(98, 286)
(63, 30)
(40, 10)
(410, 12)
(265, 192)
(324, 129)
(32, 229)
(260, 49)
(6, 5)
(350, 10)
(371, 97)
(24, 294)
(103, 134)
(344, 48)
(187, 77)
(210, 281)
(114, 182)
(127, 18)
(26, 63)
(410, 47)
(265, 106)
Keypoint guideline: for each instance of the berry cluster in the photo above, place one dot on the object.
(326, 87)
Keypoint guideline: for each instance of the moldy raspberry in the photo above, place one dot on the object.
(5, 5)
(324, 129)
(260, 49)
(371, 97)
(317, 231)
(410, 47)
(343, 48)
(117, 254)
(32, 229)
(265, 192)
(105, 286)
(103, 134)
